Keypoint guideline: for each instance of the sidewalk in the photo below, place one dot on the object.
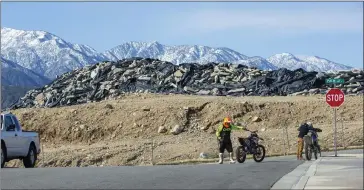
(342, 172)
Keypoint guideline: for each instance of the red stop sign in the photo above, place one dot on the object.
(335, 97)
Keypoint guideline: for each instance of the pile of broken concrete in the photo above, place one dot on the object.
(107, 80)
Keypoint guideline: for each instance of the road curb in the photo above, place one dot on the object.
(310, 172)
(344, 155)
(298, 177)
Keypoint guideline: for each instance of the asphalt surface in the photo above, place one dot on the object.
(249, 175)
(204, 176)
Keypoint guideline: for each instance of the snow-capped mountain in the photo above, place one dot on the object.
(258, 62)
(13, 74)
(45, 53)
(49, 55)
(203, 54)
(175, 54)
(308, 63)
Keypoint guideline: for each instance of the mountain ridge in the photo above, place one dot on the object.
(16, 81)
(48, 54)
(45, 53)
(13, 74)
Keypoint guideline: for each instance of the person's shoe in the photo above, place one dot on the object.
(221, 158)
(231, 158)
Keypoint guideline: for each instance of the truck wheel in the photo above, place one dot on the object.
(30, 160)
(3, 155)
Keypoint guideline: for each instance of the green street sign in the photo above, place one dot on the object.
(334, 81)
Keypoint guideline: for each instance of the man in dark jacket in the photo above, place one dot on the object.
(303, 130)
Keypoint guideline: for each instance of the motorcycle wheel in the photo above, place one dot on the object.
(240, 154)
(315, 152)
(261, 150)
(308, 152)
(319, 149)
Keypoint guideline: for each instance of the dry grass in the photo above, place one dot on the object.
(121, 131)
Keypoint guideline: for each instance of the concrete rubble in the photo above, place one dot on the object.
(108, 80)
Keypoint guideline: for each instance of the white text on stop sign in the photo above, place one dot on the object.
(334, 97)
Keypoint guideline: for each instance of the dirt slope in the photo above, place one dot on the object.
(120, 131)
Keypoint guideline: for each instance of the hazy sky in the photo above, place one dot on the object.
(333, 30)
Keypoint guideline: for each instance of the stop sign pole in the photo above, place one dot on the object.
(335, 98)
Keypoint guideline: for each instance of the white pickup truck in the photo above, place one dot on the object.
(17, 143)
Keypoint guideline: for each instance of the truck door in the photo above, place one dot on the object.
(23, 139)
(11, 138)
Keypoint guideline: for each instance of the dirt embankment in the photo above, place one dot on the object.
(121, 131)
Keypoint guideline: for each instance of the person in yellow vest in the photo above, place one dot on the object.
(223, 135)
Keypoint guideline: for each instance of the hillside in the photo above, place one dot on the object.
(120, 131)
(16, 75)
(11, 94)
(16, 81)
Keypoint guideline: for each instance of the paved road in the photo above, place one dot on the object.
(207, 176)
(249, 175)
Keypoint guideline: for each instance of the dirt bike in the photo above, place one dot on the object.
(311, 144)
(250, 145)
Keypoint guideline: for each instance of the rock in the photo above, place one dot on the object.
(206, 127)
(216, 92)
(117, 71)
(244, 103)
(109, 106)
(263, 129)
(107, 80)
(299, 93)
(244, 79)
(146, 109)
(129, 72)
(203, 92)
(40, 99)
(239, 90)
(145, 78)
(178, 73)
(353, 85)
(162, 129)
(203, 155)
(94, 73)
(314, 91)
(189, 89)
(256, 119)
(360, 88)
(177, 129)
(186, 108)
(320, 75)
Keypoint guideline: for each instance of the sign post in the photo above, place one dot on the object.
(335, 98)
